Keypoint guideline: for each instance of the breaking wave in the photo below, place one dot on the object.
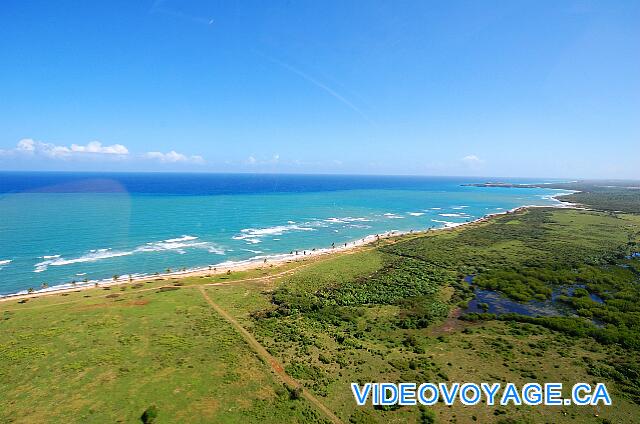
(447, 224)
(179, 245)
(392, 216)
(255, 235)
(455, 215)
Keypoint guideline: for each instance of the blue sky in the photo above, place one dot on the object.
(508, 88)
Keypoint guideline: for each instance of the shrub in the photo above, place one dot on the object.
(149, 415)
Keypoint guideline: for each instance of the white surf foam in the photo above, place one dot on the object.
(255, 235)
(179, 244)
(393, 216)
(4, 262)
(448, 224)
(92, 256)
(416, 213)
(179, 239)
(250, 240)
(357, 226)
(256, 252)
(346, 219)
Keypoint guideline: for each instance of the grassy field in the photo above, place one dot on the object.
(108, 355)
(380, 313)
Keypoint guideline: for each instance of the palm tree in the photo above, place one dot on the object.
(115, 277)
(44, 285)
(30, 290)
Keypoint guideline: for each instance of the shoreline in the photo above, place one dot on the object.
(271, 260)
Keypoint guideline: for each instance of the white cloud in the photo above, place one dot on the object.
(174, 157)
(472, 160)
(28, 146)
(97, 147)
(252, 160)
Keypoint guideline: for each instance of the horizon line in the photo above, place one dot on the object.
(572, 179)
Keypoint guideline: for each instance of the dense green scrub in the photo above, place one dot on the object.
(594, 256)
(338, 327)
(401, 281)
(330, 325)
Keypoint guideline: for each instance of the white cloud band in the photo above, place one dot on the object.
(28, 146)
(174, 157)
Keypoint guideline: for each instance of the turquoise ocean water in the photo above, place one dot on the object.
(56, 228)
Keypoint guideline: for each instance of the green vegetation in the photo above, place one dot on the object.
(615, 201)
(616, 195)
(602, 195)
(158, 352)
(149, 415)
(383, 325)
(148, 355)
(400, 281)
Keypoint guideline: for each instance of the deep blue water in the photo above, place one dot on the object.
(213, 184)
(60, 227)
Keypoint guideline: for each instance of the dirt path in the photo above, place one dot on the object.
(267, 358)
